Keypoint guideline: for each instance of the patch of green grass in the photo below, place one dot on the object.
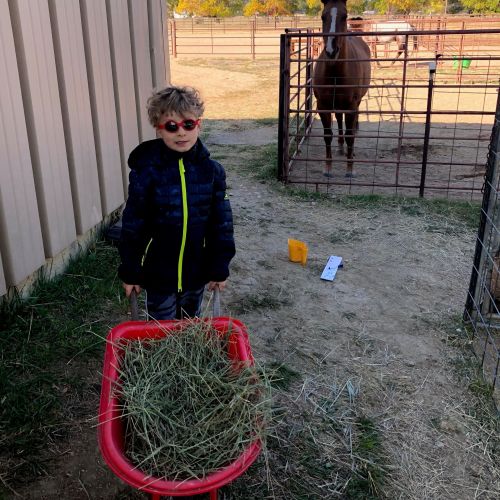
(368, 478)
(281, 376)
(346, 236)
(59, 324)
(309, 450)
(238, 65)
(467, 368)
(266, 299)
(265, 122)
(260, 162)
(465, 212)
(266, 166)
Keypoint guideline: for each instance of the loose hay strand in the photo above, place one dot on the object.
(187, 411)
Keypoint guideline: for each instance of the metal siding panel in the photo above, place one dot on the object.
(166, 48)
(3, 286)
(21, 244)
(44, 120)
(77, 116)
(159, 47)
(143, 63)
(105, 126)
(124, 82)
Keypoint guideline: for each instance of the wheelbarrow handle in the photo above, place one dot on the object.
(216, 304)
(134, 309)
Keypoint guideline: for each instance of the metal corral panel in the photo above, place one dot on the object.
(77, 117)
(21, 245)
(158, 43)
(44, 121)
(143, 64)
(103, 105)
(126, 108)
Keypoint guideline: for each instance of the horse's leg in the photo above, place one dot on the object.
(351, 120)
(339, 118)
(326, 120)
(401, 49)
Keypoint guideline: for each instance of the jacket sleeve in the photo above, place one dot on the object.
(135, 233)
(220, 240)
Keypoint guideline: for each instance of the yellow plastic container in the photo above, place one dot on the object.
(297, 251)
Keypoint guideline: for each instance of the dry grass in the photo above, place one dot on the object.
(188, 412)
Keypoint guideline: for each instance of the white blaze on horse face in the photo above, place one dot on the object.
(329, 42)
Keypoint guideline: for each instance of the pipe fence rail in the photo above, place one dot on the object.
(259, 36)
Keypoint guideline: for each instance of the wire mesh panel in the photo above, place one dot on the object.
(424, 123)
(482, 310)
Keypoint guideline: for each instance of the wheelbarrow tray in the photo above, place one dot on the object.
(111, 427)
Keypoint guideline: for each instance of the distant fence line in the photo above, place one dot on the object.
(259, 36)
(75, 75)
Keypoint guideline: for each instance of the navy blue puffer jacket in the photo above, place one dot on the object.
(177, 225)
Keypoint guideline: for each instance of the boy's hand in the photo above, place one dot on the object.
(129, 288)
(213, 284)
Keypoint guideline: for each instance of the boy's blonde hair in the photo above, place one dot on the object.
(173, 99)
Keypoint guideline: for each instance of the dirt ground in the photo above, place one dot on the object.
(385, 330)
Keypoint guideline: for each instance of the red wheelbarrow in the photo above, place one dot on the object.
(111, 428)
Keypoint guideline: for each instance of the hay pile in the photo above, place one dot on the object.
(187, 411)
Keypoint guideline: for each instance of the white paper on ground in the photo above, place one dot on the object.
(334, 262)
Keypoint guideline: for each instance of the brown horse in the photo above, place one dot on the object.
(340, 80)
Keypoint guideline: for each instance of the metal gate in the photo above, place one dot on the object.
(482, 309)
(425, 123)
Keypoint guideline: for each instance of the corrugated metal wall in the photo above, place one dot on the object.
(75, 76)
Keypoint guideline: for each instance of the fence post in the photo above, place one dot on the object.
(174, 38)
(437, 41)
(460, 55)
(284, 101)
(430, 88)
(252, 38)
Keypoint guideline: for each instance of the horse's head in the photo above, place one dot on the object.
(334, 19)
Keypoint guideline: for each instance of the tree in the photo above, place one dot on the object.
(481, 6)
(276, 7)
(397, 6)
(191, 7)
(253, 7)
(210, 8)
(313, 7)
(356, 6)
(266, 7)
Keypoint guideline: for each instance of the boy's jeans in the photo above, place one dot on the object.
(175, 305)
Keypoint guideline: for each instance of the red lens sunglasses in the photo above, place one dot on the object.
(172, 126)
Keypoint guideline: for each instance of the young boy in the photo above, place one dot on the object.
(177, 226)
